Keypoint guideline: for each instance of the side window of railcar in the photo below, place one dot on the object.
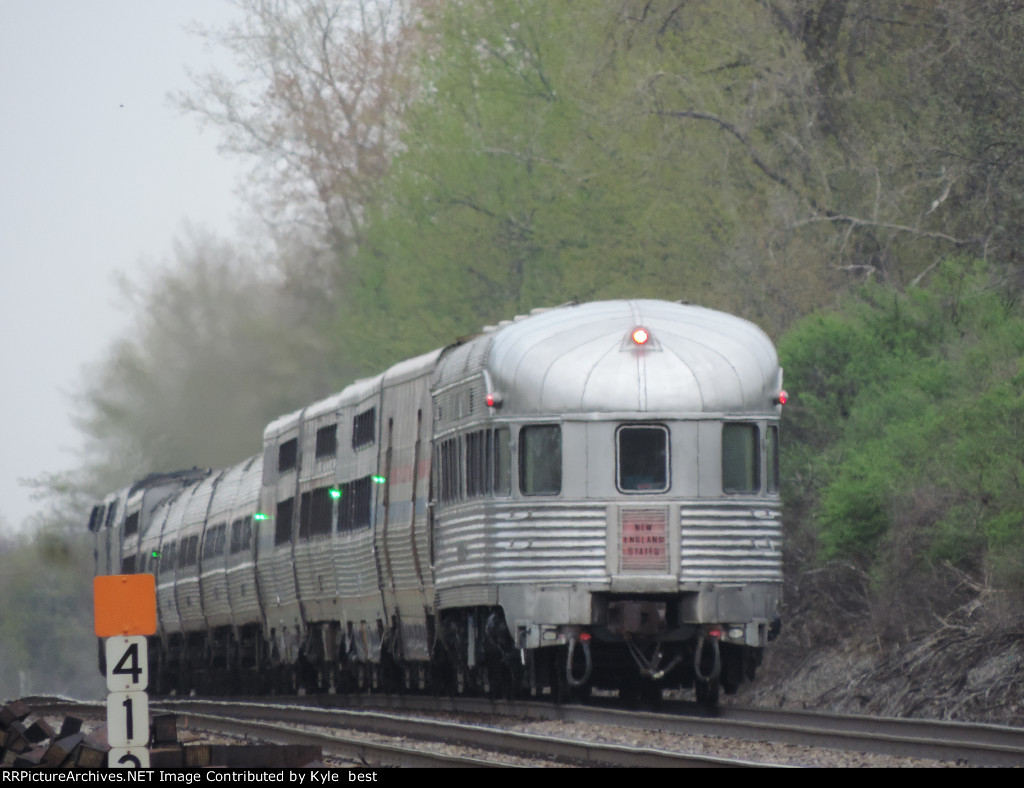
(642, 458)
(326, 441)
(287, 454)
(187, 551)
(450, 470)
(128, 565)
(131, 525)
(476, 464)
(740, 458)
(356, 504)
(540, 459)
(283, 523)
(168, 557)
(316, 513)
(487, 463)
(241, 534)
(502, 461)
(772, 459)
(213, 544)
(364, 428)
(111, 514)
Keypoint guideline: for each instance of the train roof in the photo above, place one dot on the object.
(582, 359)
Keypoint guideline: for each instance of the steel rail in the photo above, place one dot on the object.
(561, 750)
(249, 719)
(359, 751)
(975, 744)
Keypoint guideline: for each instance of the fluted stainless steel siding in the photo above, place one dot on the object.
(402, 552)
(190, 600)
(730, 542)
(157, 540)
(166, 592)
(355, 575)
(315, 573)
(523, 542)
(241, 569)
(213, 582)
(459, 361)
(277, 584)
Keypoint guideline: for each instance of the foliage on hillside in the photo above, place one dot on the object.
(904, 432)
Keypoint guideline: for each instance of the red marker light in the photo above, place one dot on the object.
(715, 633)
(584, 636)
(641, 335)
(781, 398)
(493, 400)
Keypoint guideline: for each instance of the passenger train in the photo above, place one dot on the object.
(584, 497)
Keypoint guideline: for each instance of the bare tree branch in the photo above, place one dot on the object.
(854, 221)
(752, 152)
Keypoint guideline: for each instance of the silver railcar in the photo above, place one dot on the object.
(584, 497)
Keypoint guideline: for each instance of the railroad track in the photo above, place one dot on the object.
(971, 744)
(383, 738)
(959, 743)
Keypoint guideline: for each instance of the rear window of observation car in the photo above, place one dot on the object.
(740, 458)
(540, 459)
(642, 458)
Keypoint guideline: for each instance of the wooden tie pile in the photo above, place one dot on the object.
(29, 741)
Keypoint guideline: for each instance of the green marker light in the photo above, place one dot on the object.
(334, 493)
(261, 516)
(378, 479)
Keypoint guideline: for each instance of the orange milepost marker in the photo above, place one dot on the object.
(124, 605)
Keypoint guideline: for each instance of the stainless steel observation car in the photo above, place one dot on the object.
(584, 497)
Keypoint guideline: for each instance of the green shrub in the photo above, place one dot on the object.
(908, 414)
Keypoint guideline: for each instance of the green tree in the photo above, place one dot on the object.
(548, 159)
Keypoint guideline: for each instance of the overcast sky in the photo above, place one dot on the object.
(98, 174)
